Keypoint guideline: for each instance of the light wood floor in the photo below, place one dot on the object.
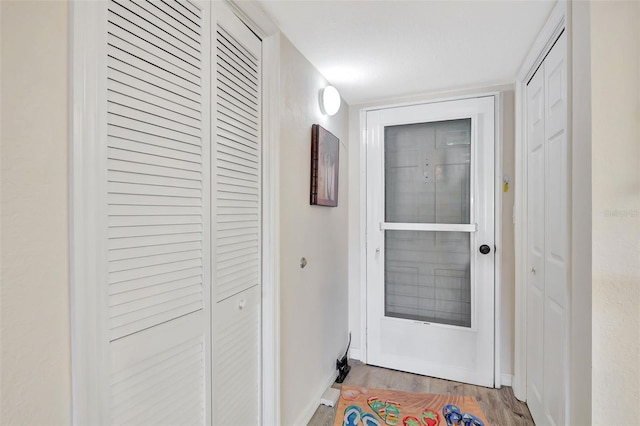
(499, 405)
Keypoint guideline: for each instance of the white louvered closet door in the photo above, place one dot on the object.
(236, 220)
(158, 155)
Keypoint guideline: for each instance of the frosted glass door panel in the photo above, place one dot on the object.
(428, 276)
(427, 172)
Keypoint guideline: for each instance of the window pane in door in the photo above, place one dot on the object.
(428, 276)
(427, 170)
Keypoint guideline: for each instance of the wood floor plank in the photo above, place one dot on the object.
(499, 405)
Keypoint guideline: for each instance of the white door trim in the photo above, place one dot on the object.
(363, 234)
(497, 217)
(271, 232)
(86, 222)
(556, 23)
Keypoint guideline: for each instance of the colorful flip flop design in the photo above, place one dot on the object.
(471, 420)
(452, 415)
(411, 421)
(430, 417)
(369, 420)
(379, 407)
(393, 413)
(352, 416)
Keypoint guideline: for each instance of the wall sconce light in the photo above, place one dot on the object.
(329, 100)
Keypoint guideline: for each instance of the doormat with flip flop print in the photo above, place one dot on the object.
(380, 407)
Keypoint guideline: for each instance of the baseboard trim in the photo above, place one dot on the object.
(313, 405)
(506, 379)
(355, 354)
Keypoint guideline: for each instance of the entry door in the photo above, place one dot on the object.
(430, 239)
(547, 239)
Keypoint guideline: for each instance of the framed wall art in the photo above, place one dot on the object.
(325, 148)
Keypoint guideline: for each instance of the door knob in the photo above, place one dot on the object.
(485, 249)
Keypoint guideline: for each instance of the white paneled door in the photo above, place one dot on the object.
(547, 239)
(430, 239)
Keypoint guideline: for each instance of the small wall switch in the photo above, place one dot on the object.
(330, 397)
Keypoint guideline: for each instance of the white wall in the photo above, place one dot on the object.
(615, 94)
(356, 180)
(314, 322)
(35, 349)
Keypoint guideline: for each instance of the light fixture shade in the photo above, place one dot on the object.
(330, 103)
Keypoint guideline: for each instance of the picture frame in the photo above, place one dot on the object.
(325, 150)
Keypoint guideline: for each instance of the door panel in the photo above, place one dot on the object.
(554, 371)
(427, 172)
(428, 276)
(236, 355)
(556, 235)
(548, 236)
(536, 241)
(429, 208)
(156, 193)
(236, 221)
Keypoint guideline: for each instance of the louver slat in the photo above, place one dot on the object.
(164, 190)
(143, 29)
(131, 47)
(157, 280)
(123, 95)
(135, 74)
(171, 11)
(155, 163)
(163, 24)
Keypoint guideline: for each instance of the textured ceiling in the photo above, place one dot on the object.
(372, 50)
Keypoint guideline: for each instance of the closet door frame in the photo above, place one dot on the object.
(557, 23)
(87, 104)
(87, 224)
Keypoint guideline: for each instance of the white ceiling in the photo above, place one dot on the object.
(373, 50)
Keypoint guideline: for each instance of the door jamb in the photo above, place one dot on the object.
(498, 122)
(363, 234)
(87, 223)
(497, 238)
(556, 23)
